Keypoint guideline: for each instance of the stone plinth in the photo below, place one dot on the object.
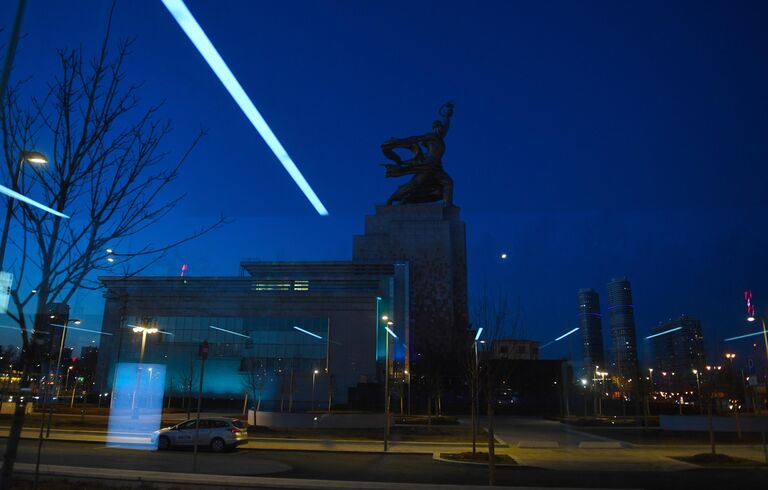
(431, 238)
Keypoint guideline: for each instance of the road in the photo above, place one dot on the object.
(405, 468)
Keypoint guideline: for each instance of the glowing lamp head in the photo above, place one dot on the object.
(34, 157)
(316, 371)
(751, 318)
(384, 317)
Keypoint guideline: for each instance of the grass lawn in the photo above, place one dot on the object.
(478, 457)
(717, 460)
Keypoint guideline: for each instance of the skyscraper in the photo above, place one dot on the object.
(591, 326)
(678, 347)
(621, 313)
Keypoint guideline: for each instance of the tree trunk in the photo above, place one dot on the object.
(189, 399)
(709, 425)
(17, 421)
(473, 412)
(491, 446)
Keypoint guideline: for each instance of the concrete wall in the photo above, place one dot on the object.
(749, 423)
(317, 420)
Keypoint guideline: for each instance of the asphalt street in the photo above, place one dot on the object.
(405, 468)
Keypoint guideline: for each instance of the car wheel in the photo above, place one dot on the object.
(218, 445)
(163, 443)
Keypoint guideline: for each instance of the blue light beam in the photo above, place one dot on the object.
(308, 333)
(664, 332)
(566, 334)
(21, 197)
(744, 336)
(479, 331)
(390, 332)
(192, 29)
(559, 338)
(80, 329)
(228, 331)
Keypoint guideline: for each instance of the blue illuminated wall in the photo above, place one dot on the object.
(136, 404)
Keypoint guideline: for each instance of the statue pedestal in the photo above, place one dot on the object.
(431, 238)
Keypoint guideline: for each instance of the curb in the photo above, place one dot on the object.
(208, 481)
(438, 457)
(538, 445)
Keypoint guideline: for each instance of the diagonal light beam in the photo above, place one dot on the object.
(566, 334)
(307, 332)
(743, 336)
(559, 338)
(664, 332)
(189, 25)
(229, 331)
(21, 197)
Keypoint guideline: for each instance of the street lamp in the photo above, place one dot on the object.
(698, 390)
(314, 373)
(650, 377)
(66, 383)
(752, 318)
(30, 156)
(392, 334)
(144, 331)
(61, 349)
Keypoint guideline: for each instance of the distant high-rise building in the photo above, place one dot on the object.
(678, 347)
(621, 313)
(591, 326)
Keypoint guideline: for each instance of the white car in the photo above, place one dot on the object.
(217, 433)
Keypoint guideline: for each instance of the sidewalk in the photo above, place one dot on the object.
(627, 458)
(192, 480)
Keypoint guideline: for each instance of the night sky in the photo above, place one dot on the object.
(590, 140)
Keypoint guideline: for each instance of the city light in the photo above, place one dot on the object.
(189, 25)
(664, 332)
(479, 331)
(390, 332)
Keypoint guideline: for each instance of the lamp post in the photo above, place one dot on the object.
(144, 331)
(650, 377)
(314, 373)
(752, 318)
(698, 391)
(66, 383)
(61, 349)
(24, 156)
(392, 334)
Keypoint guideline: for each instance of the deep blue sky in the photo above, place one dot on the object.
(590, 139)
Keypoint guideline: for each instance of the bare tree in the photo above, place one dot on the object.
(493, 315)
(187, 378)
(254, 380)
(106, 171)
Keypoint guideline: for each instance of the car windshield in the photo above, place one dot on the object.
(396, 242)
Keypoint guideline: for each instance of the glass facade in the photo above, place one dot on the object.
(239, 349)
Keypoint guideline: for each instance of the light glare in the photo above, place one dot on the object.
(189, 25)
(307, 332)
(664, 332)
(20, 197)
